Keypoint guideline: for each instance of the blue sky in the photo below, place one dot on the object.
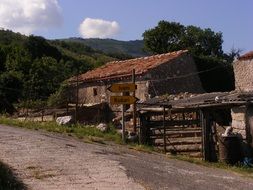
(132, 17)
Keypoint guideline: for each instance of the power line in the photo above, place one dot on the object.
(190, 74)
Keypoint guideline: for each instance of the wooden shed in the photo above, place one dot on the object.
(191, 123)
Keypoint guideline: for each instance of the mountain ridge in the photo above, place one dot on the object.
(133, 48)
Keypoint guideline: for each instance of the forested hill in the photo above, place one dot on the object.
(33, 68)
(111, 46)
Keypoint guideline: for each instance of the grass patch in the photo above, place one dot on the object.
(142, 148)
(238, 168)
(8, 181)
(85, 132)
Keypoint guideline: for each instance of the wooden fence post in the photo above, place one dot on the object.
(164, 131)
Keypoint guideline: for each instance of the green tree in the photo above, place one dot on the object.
(38, 47)
(202, 41)
(61, 97)
(2, 59)
(17, 59)
(165, 37)
(45, 77)
(172, 36)
(10, 90)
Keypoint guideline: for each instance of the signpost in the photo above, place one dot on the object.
(124, 87)
(124, 100)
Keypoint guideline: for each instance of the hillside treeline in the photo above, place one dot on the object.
(32, 68)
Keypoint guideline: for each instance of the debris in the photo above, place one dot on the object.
(132, 137)
(102, 127)
(65, 120)
(228, 132)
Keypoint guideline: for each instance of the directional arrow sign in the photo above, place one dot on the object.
(123, 99)
(124, 87)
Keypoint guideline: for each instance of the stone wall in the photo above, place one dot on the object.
(249, 125)
(151, 84)
(175, 77)
(243, 70)
(238, 120)
(93, 93)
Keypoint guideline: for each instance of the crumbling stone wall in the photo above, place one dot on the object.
(238, 121)
(175, 77)
(243, 70)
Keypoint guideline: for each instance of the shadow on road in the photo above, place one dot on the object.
(8, 180)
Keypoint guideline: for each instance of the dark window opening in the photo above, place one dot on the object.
(95, 91)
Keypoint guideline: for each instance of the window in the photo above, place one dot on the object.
(95, 91)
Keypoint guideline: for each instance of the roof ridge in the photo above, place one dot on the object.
(150, 56)
(246, 56)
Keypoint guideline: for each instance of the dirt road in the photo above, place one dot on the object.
(53, 161)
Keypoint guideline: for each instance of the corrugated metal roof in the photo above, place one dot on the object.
(117, 69)
(201, 100)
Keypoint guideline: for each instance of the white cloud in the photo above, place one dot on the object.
(98, 28)
(27, 16)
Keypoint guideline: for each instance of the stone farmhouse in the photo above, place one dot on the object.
(155, 75)
(242, 117)
(243, 69)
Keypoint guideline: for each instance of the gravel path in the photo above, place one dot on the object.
(50, 161)
(53, 161)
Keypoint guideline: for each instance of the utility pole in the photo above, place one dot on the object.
(123, 124)
(134, 105)
(77, 91)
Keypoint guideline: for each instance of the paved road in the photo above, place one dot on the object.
(53, 161)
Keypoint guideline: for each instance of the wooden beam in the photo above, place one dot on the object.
(172, 123)
(164, 131)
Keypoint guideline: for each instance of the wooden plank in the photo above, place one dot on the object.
(181, 141)
(172, 123)
(183, 148)
(177, 135)
(170, 128)
(164, 130)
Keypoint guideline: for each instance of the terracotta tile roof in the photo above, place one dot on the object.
(247, 56)
(117, 69)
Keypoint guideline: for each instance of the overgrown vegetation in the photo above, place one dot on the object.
(8, 180)
(87, 133)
